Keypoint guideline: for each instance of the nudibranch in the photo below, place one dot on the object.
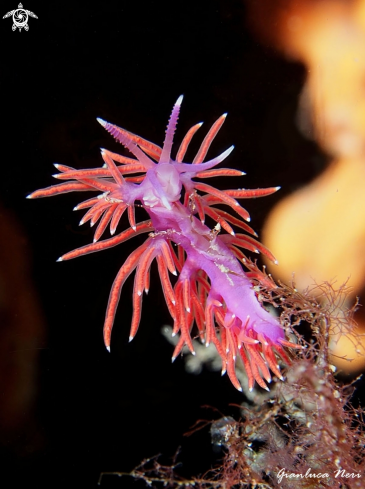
(211, 289)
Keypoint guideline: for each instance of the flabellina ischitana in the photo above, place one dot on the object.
(211, 290)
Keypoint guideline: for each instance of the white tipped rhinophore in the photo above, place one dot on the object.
(170, 131)
(179, 100)
(101, 121)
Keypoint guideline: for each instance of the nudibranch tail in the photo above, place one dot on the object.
(201, 268)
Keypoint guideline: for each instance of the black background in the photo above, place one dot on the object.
(126, 62)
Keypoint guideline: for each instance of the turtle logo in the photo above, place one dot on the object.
(20, 17)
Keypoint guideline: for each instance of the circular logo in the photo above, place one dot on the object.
(20, 17)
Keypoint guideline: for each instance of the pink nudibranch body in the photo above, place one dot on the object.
(212, 289)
